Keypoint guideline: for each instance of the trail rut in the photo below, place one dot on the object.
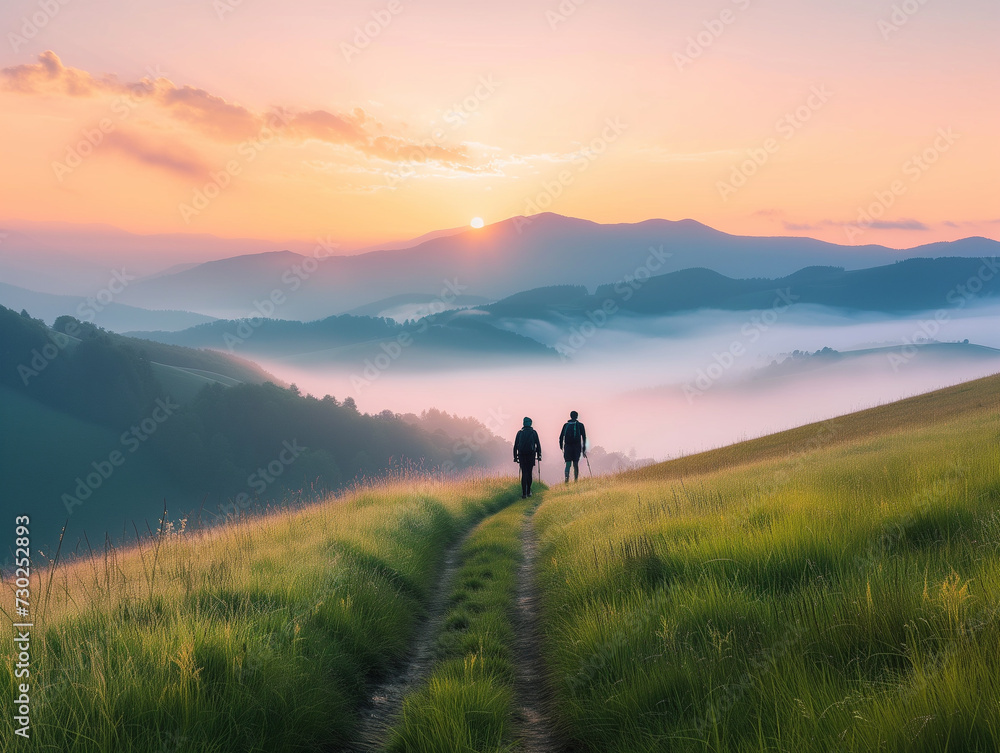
(386, 700)
(534, 720)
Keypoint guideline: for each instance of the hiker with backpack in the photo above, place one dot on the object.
(526, 448)
(573, 443)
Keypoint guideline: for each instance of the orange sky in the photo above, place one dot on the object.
(614, 112)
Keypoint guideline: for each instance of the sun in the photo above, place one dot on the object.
(477, 222)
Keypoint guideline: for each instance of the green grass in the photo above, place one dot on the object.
(824, 589)
(468, 702)
(257, 636)
(836, 587)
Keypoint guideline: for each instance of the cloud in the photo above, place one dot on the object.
(899, 225)
(363, 132)
(907, 224)
(326, 126)
(230, 122)
(210, 114)
(170, 156)
(970, 223)
(49, 75)
(398, 149)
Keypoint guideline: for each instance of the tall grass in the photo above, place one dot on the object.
(256, 636)
(468, 702)
(836, 595)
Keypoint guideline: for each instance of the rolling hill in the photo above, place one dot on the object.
(353, 339)
(832, 587)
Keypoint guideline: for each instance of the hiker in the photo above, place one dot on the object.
(573, 443)
(526, 449)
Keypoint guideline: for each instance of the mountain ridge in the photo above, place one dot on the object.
(498, 260)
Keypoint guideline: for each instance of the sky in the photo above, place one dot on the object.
(854, 121)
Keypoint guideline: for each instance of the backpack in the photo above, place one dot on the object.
(526, 442)
(572, 431)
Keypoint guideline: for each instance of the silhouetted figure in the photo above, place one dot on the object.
(526, 449)
(573, 443)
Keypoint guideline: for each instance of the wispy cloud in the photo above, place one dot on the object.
(230, 122)
(905, 224)
(899, 225)
(167, 155)
(50, 76)
(210, 114)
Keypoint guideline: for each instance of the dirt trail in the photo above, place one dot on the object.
(386, 700)
(533, 719)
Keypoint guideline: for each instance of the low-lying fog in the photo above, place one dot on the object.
(663, 388)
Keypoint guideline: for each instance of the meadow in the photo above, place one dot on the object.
(262, 635)
(831, 588)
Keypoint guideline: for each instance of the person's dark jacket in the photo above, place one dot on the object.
(527, 447)
(573, 440)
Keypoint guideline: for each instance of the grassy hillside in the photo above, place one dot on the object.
(38, 467)
(970, 399)
(206, 442)
(834, 587)
(258, 636)
(209, 359)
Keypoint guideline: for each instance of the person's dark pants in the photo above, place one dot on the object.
(527, 474)
(572, 457)
(576, 469)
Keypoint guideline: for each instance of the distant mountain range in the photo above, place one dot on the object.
(907, 286)
(355, 339)
(76, 258)
(116, 317)
(498, 261)
(479, 332)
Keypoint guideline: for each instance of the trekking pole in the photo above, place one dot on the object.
(588, 465)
